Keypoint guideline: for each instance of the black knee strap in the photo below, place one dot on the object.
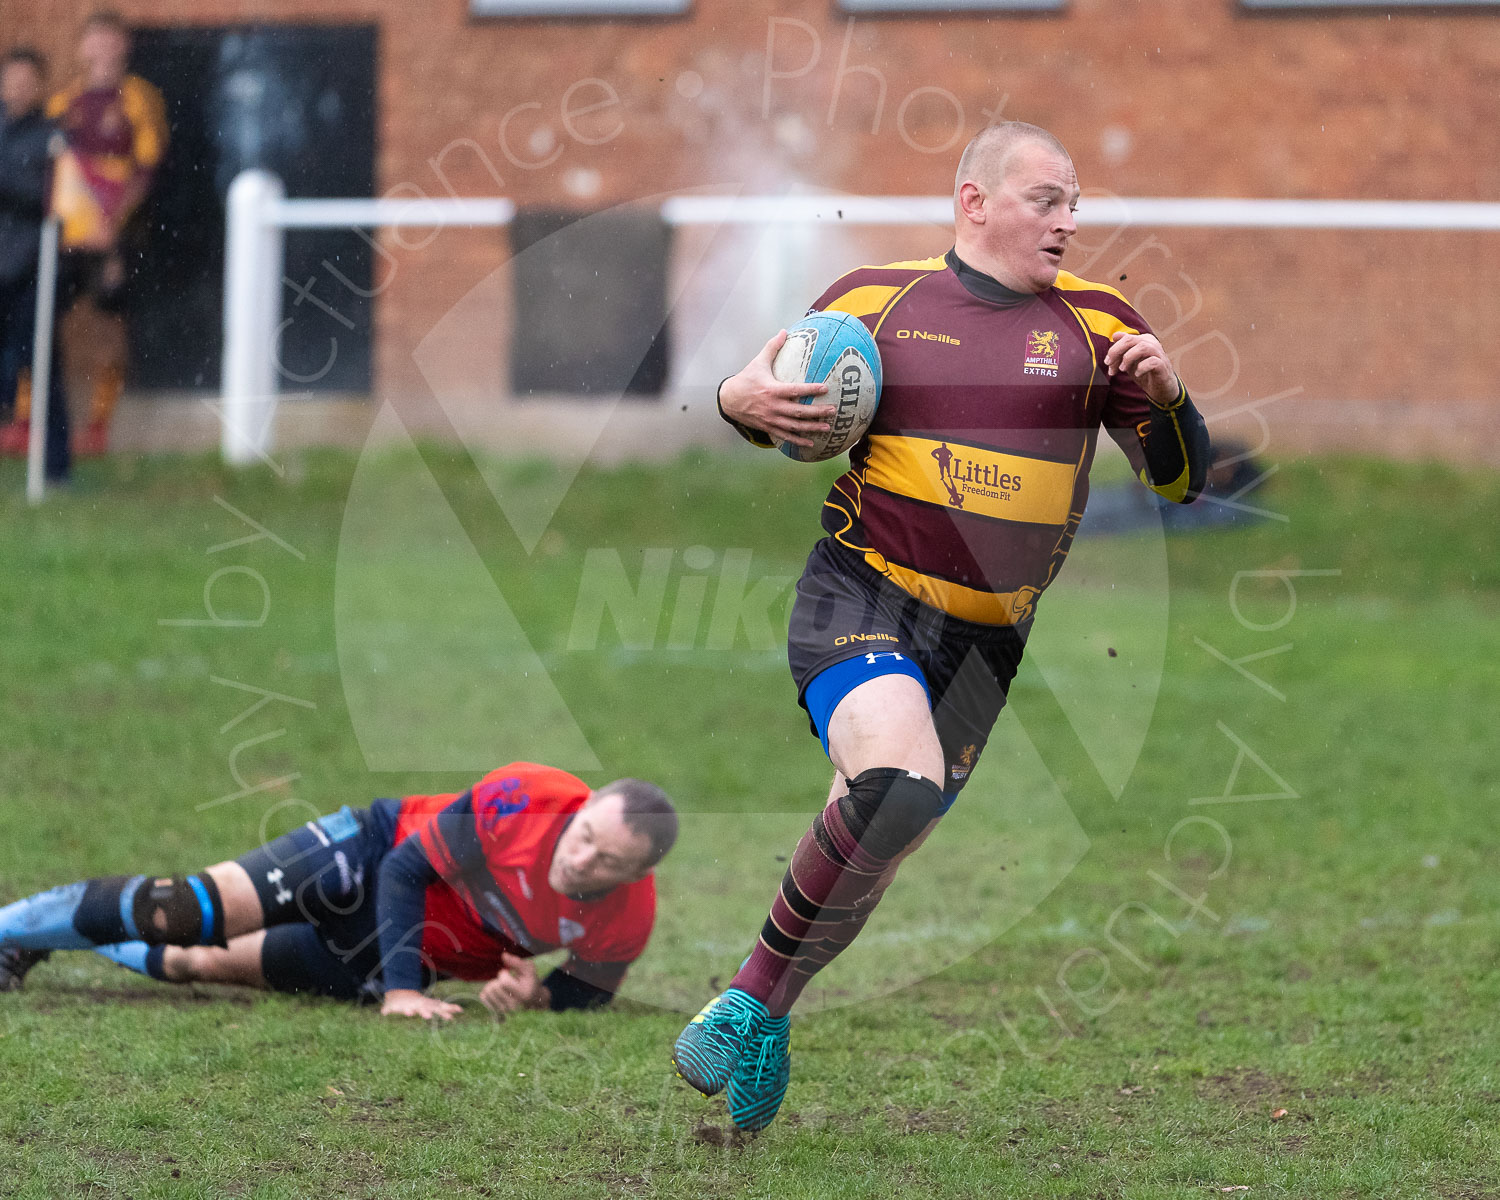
(886, 809)
(179, 911)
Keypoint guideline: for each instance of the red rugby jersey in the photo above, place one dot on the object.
(970, 483)
(494, 896)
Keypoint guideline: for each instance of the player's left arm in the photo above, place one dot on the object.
(147, 113)
(515, 988)
(1150, 401)
(596, 965)
(574, 984)
(581, 984)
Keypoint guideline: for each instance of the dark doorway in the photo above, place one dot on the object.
(298, 100)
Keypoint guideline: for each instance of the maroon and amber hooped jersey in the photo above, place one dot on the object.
(116, 137)
(969, 486)
(493, 897)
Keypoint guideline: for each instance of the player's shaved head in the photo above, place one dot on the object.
(987, 158)
(104, 47)
(647, 813)
(624, 830)
(1013, 205)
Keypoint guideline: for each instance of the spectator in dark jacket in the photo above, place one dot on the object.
(26, 143)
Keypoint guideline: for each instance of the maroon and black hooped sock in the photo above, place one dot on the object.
(838, 873)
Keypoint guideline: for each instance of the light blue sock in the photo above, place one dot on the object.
(44, 921)
(135, 956)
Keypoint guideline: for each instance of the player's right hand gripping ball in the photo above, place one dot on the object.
(836, 349)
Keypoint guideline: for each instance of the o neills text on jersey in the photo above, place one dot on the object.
(923, 335)
(845, 639)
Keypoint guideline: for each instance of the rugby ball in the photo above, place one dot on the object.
(836, 349)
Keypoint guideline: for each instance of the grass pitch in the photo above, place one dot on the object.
(1230, 854)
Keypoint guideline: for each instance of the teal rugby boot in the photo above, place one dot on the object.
(758, 1085)
(708, 1050)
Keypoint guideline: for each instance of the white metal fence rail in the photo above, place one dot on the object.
(258, 212)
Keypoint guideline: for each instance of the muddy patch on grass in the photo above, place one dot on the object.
(924, 1120)
(722, 1137)
(615, 1183)
(360, 1177)
(1246, 1087)
(376, 1112)
(1252, 1089)
(817, 1120)
(48, 997)
(113, 1160)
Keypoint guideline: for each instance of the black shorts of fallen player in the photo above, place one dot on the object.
(846, 611)
(317, 892)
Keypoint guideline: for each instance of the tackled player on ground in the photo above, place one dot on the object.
(377, 904)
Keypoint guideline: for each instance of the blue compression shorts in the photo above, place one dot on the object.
(832, 684)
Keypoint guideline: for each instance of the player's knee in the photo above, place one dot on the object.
(179, 911)
(183, 910)
(887, 809)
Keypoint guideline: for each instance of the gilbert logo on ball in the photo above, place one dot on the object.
(836, 349)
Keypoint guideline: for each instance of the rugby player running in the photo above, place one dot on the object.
(957, 511)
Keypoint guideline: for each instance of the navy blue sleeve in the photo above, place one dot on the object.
(27, 173)
(400, 907)
(578, 984)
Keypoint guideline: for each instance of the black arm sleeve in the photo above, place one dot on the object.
(568, 991)
(1177, 450)
(400, 905)
(579, 984)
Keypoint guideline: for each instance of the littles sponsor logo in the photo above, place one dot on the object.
(1042, 353)
(922, 335)
(968, 476)
(965, 764)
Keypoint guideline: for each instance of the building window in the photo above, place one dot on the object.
(951, 6)
(578, 8)
(591, 303)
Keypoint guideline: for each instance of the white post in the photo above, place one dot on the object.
(41, 361)
(252, 313)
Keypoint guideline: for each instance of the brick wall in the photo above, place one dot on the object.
(1166, 97)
